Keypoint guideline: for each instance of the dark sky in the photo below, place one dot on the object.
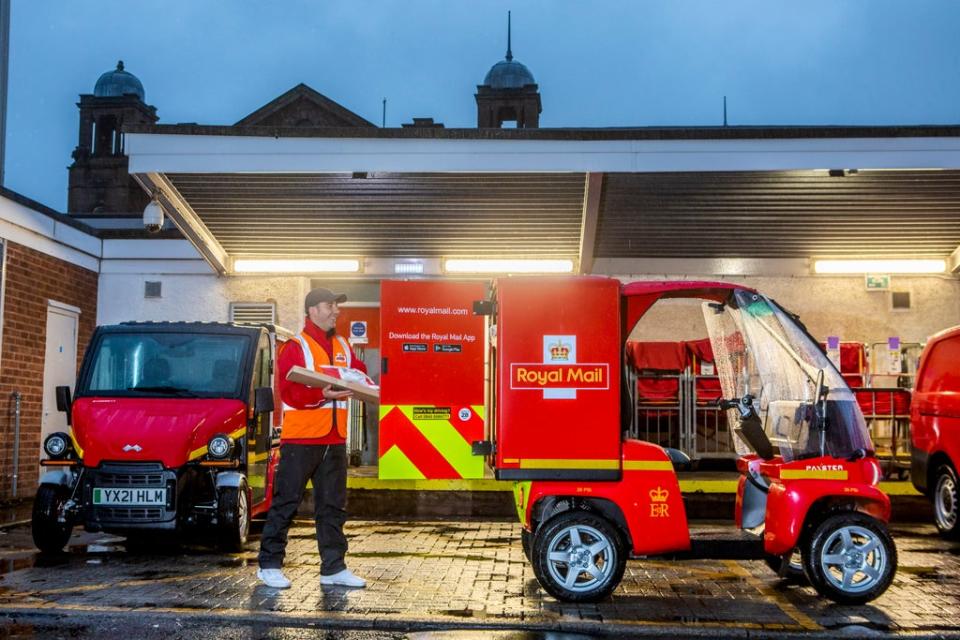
(598, 63)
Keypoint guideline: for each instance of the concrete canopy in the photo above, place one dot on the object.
(616, 201)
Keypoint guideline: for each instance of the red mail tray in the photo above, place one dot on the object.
(557, 359)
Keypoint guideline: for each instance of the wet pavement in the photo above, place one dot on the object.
(428, 578)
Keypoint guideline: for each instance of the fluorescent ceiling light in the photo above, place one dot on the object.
(295, 266)
(460, 265)
(879, 266)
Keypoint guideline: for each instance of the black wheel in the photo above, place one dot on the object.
(49, 534)
(789, 567)
(850, 558)
(945, 506)
(233, 518)
(578, 557)
(526, 542)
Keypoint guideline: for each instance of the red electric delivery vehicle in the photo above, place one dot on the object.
(589, 499)
(171, 430)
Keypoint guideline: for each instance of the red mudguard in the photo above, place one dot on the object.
(795, 487)
(648, 496)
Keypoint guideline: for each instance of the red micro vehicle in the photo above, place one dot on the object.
(588, 498)
(171, 431)
(935, 427)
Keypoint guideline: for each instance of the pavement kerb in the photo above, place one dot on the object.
(332, 621)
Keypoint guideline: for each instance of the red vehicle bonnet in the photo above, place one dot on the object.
(167, 430)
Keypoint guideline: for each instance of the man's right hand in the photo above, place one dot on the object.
(330, 394)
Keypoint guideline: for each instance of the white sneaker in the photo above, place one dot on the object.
(273, 578)
(343, 579)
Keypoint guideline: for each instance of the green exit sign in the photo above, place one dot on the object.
(878, 283)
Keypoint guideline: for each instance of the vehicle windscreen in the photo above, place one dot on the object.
(175, 364)
(761, 351)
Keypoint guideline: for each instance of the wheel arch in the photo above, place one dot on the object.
(826, 506)
(549, 507)
(937, 459)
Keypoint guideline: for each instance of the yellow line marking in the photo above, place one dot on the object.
(534, 463)
(489, 484)
(812, 474)
(647, 465)
(792, 612)
(430, 485)
(900, 488)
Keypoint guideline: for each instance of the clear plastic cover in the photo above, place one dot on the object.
(761, 351)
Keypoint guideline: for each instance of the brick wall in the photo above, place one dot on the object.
(33, 278)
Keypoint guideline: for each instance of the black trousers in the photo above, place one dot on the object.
(326, 466)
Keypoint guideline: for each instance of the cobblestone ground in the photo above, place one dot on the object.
(468, 573)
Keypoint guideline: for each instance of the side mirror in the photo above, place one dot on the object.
(263, 400)
(64, 401)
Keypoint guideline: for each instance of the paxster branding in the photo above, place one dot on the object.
(559, 376)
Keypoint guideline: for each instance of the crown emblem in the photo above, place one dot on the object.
(659, 494)
(559, 351)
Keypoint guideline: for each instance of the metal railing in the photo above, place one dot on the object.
(668, 412)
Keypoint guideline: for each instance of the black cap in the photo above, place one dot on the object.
(318, 295)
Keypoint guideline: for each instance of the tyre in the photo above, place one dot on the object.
(233, 518)
(789, 568)
(945, 508)
(850, 558)
(578, 557)
(49, 534)
(526, 541)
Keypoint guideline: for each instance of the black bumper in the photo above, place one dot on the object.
(919, 463)
(137, 476)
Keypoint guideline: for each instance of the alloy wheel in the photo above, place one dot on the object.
(580, 558)
(853, 559)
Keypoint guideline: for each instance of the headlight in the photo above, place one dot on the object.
(57, 444)
(220, 446)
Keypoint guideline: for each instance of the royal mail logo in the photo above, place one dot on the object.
(560, 351)
(559, 376)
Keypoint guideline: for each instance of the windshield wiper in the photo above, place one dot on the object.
(177, 391)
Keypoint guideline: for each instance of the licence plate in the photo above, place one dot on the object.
(135, 497)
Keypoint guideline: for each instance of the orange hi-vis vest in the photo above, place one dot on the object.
(317, 422)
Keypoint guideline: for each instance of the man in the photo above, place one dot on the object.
(312, 447)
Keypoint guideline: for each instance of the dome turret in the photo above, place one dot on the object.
(508, 94)
(117, 83)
